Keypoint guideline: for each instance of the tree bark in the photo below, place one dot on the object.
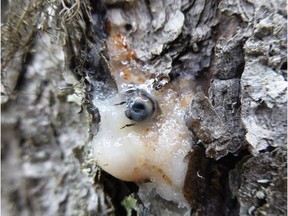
(53, 52)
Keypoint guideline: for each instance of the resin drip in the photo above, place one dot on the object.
(151, 151)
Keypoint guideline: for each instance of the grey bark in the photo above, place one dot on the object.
(235, 50)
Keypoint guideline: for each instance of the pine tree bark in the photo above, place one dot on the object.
(52, 51)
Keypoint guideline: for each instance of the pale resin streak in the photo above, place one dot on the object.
(151, 151)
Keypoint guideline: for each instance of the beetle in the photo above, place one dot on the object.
(140, 105)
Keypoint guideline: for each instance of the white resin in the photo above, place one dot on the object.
(151, 151)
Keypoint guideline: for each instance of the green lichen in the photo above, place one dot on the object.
(130, 203)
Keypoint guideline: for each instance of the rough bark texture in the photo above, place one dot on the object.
(54, 52)
(44, 130)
